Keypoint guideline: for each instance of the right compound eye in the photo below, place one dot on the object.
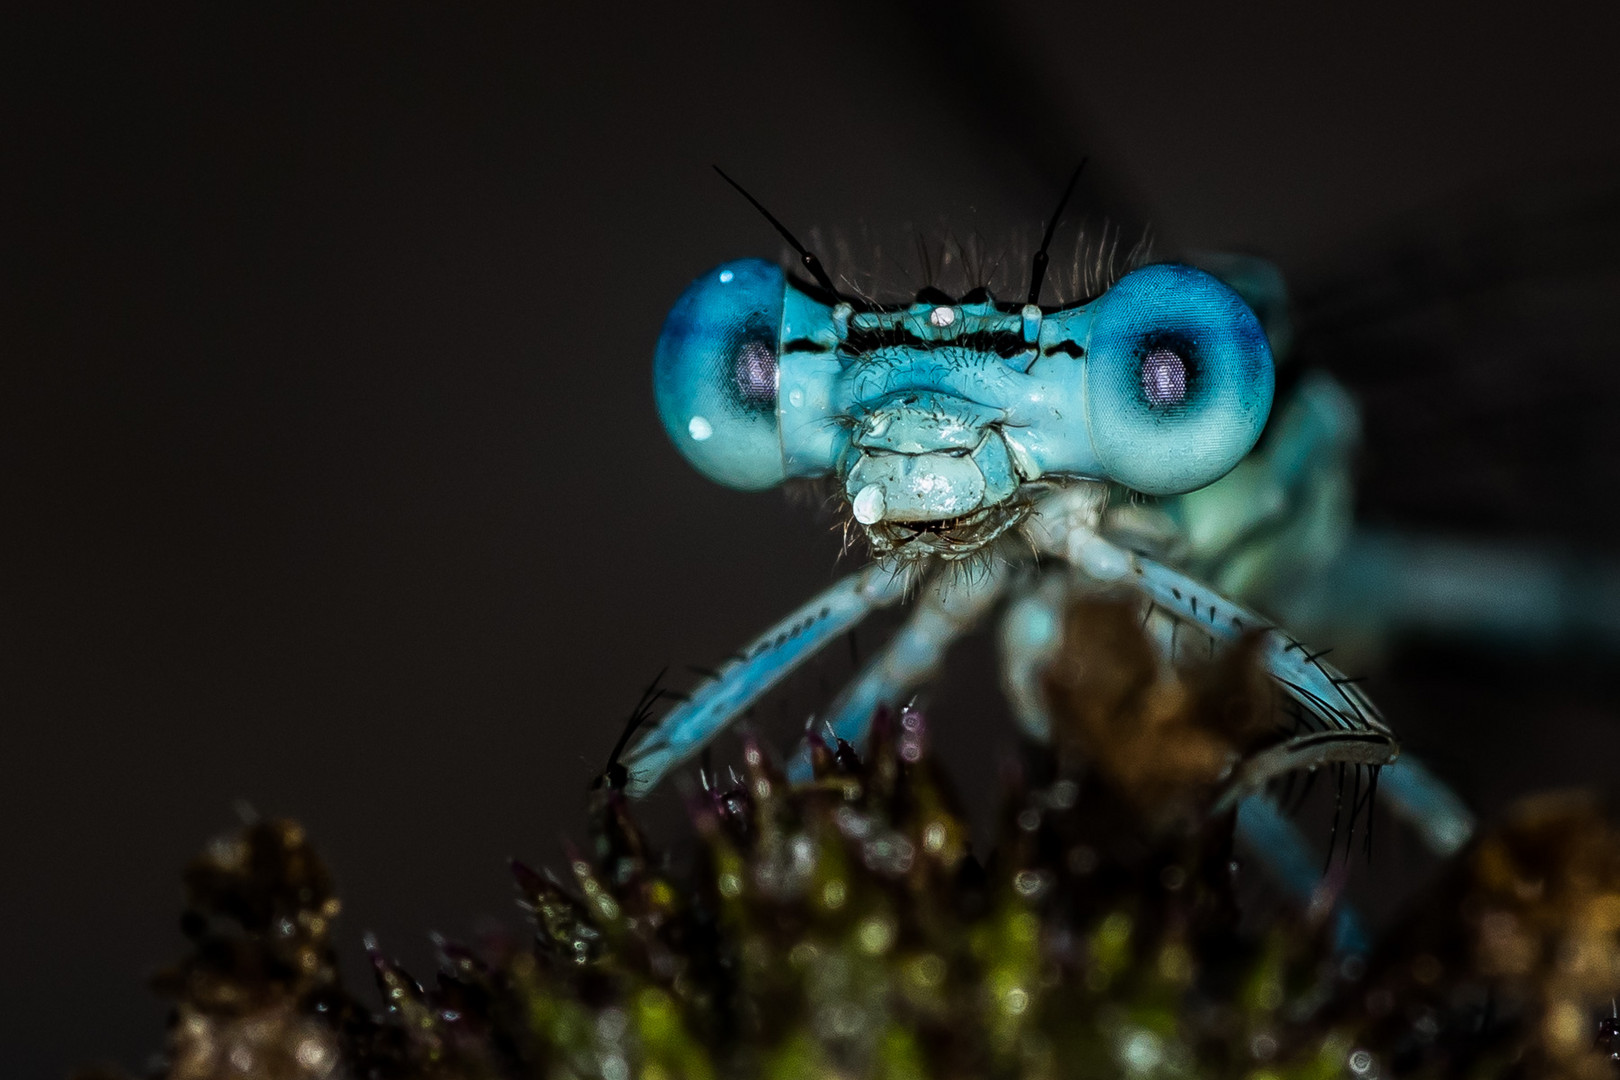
(1178, 380)
(715, 374)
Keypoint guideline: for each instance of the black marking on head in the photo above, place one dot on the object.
(804, 344)
(1003, 343)
(1066, 348)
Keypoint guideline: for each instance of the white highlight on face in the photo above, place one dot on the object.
(869, 505)
(726, 276)
(700, 428)
(942, 317)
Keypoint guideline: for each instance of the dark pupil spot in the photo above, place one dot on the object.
(753, 373)
(1164, 377)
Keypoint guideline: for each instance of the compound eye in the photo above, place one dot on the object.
(715, 374)
(1178, 380)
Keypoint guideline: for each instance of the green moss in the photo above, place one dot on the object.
(842, 928)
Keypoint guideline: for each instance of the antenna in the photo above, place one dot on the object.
(806, 256)
(1037, 273)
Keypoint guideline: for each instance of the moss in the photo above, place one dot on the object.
(841, 927)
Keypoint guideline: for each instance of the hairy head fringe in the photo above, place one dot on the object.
(889, 267)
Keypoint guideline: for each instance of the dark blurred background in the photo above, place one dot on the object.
(331, 478)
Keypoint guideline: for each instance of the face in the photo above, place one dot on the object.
(936, 417)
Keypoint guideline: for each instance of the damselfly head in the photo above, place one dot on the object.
(934, 417)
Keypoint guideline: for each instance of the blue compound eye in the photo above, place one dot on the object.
(715, 374)
(1178, 380)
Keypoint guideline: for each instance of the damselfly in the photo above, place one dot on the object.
(988, 449)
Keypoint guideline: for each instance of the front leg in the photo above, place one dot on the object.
(950, 606)
(1183, 614)
(1345, 726)
(1032, 638)
(764, 662)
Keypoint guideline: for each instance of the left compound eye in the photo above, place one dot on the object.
(1178, 380)
(715, 374)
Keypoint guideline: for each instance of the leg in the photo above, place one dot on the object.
(763, 663)
(949, 607)
(1289, 861)
(1347, 727)
(1428, 805)
(1387, 585)
(1333, 700)
(1031, 634)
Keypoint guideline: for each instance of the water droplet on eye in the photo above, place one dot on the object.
(726, 276)
(1164, 377)
(700, 428)
(869, 505)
